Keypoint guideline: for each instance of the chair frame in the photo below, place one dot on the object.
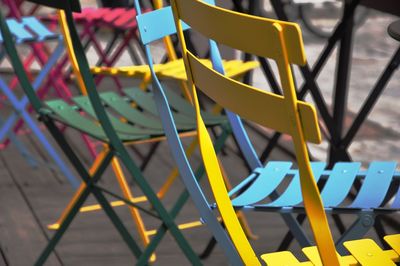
(115, 149)
(11, 126)
(117, 168)
(299, 129)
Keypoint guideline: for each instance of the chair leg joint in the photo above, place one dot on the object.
(367, 220)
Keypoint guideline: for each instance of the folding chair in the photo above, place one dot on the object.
(37, 36)
(281, 42)
(172, 70)
(89, 116)
(25, 31)
(39, 51)
(183, 117)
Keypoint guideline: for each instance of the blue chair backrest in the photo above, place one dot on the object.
(160, 23)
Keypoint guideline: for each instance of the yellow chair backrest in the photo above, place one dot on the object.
(281, 42)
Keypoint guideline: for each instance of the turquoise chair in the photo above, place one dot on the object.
(262, 183)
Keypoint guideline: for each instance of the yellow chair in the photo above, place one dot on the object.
(173, 69)
(281, 42)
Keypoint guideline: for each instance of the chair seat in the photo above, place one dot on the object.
(133, 116)
(175, 69)
(363, 252)
(260, 187)
(29, 29)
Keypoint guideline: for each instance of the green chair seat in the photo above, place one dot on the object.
(133, 117)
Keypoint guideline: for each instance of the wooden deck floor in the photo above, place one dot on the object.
(30, 199)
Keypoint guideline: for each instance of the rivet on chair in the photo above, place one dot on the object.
(344, 171)
(381, 172)
(369, 254)
(277, 169)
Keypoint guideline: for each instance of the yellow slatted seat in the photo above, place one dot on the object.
(364, 252)
(174, 69)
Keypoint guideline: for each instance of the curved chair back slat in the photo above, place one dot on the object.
(264, 37)
(232, 94)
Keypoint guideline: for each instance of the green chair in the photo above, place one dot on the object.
(183, 115)
(101, 123)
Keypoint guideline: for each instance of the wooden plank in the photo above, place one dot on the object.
(91, 238)
(25, 174)
(3, 261)
(21, 237)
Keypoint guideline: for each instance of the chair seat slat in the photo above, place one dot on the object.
(71, 117)
(84, 103)
(339, 183)
(394, 242)
(367, 252)
(292, 195)
(146, 102)
(268, 180)
(313, 255)
(396, 202)
(34, 25)
(131, 114)
(283, 258)
(375, 185)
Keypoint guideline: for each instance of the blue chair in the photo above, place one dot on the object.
(29, 30)
(262, 183)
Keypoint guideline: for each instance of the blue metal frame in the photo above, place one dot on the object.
(20, 105)
(150, 32)
(375, 185)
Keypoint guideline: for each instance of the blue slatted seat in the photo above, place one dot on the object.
(339, 181)
(29, 29)
(274, 187)
(262, 183)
